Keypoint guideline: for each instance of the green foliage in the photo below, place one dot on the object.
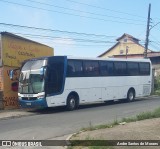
(141, 116)
(157, 83)
(144, 115)
(157, 92)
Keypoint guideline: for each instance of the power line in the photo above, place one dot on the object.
(155, 39)
(97, 14)
(75, 44)
(154, 46)
(63, 38)
(56, 37)
(155, 43)
(51, 30)
(63, 41)
(104, 8)
(71, 14)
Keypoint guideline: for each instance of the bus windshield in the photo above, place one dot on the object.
(30, 81)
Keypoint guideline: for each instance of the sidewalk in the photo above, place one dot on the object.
(140, 130)
(6, 114)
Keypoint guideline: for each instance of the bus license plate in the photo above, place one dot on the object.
(28, 95)
(28, 104)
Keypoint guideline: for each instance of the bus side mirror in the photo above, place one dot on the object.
(42, 71)
(11, 73)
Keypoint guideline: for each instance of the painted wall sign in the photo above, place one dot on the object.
(10, 95)
(16, 50)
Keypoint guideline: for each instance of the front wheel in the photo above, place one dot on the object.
(71, 103)
(130, 95)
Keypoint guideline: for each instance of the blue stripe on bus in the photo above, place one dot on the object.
(38, 103)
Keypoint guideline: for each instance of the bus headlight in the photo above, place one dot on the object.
(40, 96)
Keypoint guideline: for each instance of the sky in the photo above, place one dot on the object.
(81, 27)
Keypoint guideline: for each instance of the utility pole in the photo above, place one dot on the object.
(126, 51)
(147, 32)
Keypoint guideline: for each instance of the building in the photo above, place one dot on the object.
(128, 46)
(13, 51)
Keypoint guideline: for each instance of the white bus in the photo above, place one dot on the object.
(68, 81)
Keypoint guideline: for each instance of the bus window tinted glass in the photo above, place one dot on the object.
(144, 68)
(91, 68)
(120, 68)
(133, 68)
(55, 77)
(74, 68)
(106, 68)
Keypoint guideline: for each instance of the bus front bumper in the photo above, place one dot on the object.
(38, 103)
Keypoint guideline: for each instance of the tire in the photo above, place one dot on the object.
(131, 95)
(71, 103)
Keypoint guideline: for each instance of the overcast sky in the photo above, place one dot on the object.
(80, 27)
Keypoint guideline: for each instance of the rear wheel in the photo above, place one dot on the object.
(71, 103)
(131, 95)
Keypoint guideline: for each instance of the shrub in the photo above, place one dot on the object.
(157, 83)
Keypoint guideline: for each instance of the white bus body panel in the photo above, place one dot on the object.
(94, 89)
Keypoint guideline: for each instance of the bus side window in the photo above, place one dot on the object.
(132, 68)
(70, 71)
(106, 68)
(144, 68)
(120, 68)
(74, 68)
(91, 68)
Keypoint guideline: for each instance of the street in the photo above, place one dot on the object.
(56, 122)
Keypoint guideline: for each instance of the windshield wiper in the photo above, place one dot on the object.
(32, 87)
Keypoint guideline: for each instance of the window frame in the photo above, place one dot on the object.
(91, 75)
(122, 74)
(105, 74)
(138, 71)
(146, 73)
(76, 74)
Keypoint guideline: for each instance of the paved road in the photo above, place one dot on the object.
(54, 123)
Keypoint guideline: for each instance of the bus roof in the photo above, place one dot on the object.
(91, 58)
(111, 59)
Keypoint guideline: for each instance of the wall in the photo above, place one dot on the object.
(1, 88)
(16, 50)
(13, 51)
(10, 96)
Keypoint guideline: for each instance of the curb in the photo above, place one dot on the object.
(68, 138)
(15, 116)
(11, 114)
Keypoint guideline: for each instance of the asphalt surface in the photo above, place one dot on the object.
(56, 123)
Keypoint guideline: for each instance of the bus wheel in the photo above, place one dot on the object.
(130, 95)
(71, 103)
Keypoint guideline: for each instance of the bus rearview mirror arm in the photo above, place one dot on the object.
(12, 73)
